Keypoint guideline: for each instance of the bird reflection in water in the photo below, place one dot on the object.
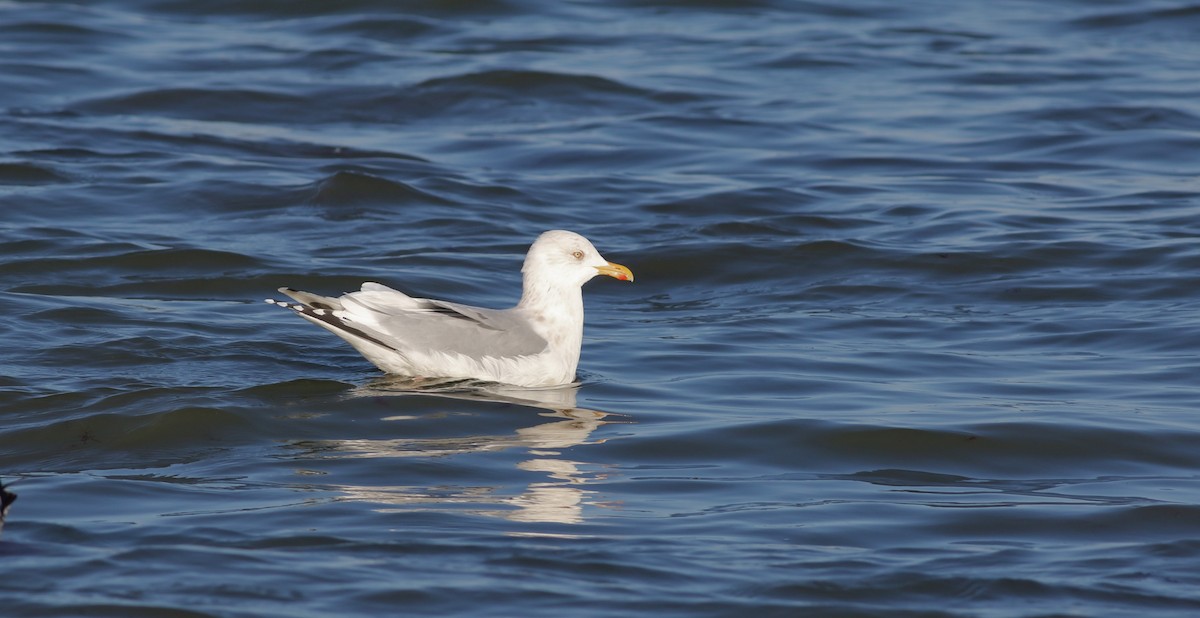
(560, 498)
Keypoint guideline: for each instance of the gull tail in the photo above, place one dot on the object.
(330, 314)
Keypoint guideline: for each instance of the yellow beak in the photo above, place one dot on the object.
(615, 271)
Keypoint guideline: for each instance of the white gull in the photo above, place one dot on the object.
(535, 343)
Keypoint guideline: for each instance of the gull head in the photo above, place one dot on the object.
(565, 258)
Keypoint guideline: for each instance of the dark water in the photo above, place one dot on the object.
(915, 329)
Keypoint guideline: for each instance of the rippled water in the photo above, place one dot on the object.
(914, 332)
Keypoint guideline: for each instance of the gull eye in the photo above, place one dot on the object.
(577, 255)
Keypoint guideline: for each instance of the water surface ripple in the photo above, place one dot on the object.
(914, 332)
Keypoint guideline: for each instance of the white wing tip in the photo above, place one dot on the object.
(286, 305)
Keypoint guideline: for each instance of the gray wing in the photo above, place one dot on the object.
(417, 324)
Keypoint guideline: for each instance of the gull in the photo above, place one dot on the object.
(6, 500)
(534, 344)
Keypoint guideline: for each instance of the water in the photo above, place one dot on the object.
(914, 330)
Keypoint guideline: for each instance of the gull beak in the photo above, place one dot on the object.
(616, 271)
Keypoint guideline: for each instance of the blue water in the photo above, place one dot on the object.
(915, 329)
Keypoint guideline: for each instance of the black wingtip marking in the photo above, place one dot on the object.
(325, 314)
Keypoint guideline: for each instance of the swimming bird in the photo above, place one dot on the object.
(6, 500)
(536, 343)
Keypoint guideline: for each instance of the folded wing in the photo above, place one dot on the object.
(418, 326)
